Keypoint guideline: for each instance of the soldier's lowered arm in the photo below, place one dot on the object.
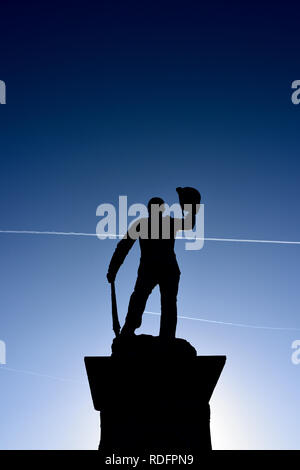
(120, 253)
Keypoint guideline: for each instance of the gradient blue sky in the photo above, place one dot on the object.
(136, 98)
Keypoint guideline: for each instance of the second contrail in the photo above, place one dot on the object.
(117, 236)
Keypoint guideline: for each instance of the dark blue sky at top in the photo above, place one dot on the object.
(117, 98)
(98, 90)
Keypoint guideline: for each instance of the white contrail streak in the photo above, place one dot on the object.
(38, 232)
(241, 325)
(37, 374)
(210, 239)
(84, 234)
(244, 240)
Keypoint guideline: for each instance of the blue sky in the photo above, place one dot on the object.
(130, 99)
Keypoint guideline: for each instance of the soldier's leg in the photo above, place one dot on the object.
(168, 292)
(137, 303)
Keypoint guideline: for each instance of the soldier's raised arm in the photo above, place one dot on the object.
(189, 199)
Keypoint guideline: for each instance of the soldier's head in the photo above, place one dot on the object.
(156, 204)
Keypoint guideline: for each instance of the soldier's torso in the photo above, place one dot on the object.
(158, 253)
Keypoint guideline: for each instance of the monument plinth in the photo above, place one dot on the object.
(153, 396)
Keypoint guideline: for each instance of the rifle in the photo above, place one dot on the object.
(114, 311)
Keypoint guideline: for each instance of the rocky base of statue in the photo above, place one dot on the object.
(153, 396)
(151, 346)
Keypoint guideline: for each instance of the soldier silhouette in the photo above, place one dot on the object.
(158, 263)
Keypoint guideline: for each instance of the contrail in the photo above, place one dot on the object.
(234, 240)
(37, 374)
(241, 325)
(245, 240)
(38, 232)
(117, 236)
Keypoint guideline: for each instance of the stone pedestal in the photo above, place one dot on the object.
(153, 397)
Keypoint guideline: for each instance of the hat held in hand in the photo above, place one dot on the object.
(189, 196)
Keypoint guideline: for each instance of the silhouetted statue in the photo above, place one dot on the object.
(158, 264)
(153, 395)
